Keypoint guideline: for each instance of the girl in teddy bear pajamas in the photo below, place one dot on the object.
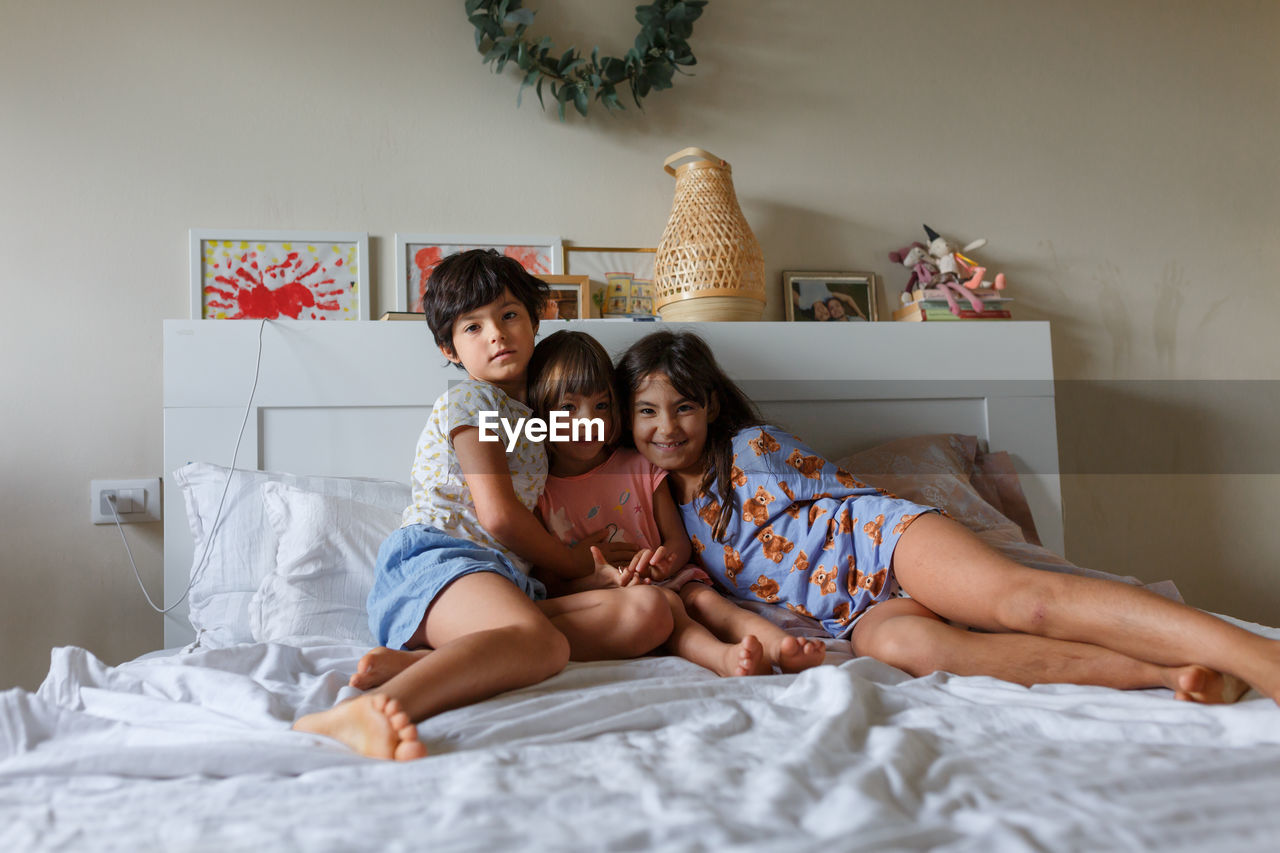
(771, 520)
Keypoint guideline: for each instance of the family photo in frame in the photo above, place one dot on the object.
(830, 297)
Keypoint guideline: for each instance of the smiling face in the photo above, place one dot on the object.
(570, 458)
(670, 430)
(494, 343)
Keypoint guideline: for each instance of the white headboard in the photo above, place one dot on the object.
(349, 399)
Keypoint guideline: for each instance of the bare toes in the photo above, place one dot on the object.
(796, 655)
(410, 750)
(751, 659)
(1196, 683)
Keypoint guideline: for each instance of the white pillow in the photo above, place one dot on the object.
(244, 548)
(324, 568)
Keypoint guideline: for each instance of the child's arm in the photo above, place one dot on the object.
(675, 549)
(499, 511)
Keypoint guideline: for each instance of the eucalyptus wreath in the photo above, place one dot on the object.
(660, 48)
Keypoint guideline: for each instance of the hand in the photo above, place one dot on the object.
(610, 575)
(618, 553)
(615, 553)
(661, 566)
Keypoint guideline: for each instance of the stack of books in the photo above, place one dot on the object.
(930, 305)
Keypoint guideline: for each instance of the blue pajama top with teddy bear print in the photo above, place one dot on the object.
(803, 533)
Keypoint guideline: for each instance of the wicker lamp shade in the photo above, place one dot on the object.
(708, 265)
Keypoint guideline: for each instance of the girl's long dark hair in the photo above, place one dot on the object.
(687, 362)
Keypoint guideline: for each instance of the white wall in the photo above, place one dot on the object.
(1120, 156)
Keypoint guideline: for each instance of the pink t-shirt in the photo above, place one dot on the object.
(617, 494)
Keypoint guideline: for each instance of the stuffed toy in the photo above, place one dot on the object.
(939, 265)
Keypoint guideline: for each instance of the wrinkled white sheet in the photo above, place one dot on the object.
(194, 751)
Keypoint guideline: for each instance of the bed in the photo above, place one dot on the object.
(190, 747)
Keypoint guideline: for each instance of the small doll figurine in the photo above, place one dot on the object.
(940, 266)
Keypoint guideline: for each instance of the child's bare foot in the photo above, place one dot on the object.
(372, 725)
(795, 654)
(380, 665)
(1195, 683)
(746, 657)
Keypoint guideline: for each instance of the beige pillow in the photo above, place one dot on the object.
(980, 490)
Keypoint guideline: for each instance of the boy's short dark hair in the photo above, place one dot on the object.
(465, 281)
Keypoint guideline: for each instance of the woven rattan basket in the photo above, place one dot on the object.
(708, 265)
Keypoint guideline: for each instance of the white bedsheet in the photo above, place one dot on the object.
(194, 751)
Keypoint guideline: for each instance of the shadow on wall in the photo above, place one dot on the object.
(797, 238)
(1147, 427)
(1167, 478)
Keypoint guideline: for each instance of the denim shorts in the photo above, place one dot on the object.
(414, 566)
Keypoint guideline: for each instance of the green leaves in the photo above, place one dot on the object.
(660, 47)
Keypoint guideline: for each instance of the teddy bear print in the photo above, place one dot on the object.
(902, 524)
(765, 588)
(847, 480)
(736, 475)
(697, 544)
(710, 513)
(824, 580)
(809, 466)
(732, 564)
(774, 545)
(793, 510)
(873, 584)
(799, 608)
(833, 527)
(764, 443)
(842, 614)
(847, 522)
(786, 490)
(851, 579)
(872, 529)
(756, 508)
(801, 564)
(815, 512)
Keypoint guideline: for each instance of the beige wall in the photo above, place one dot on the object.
(1120, 156)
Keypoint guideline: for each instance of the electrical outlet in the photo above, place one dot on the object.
(136, 500)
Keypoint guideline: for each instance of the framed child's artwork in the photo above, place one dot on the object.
(830, 297)
(279, 275)
(568, 298)
(418, 254)
(621, 279)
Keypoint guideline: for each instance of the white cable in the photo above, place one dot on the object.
(217, 516)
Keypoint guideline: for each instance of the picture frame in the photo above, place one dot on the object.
(844, 296)
(417, 255)
(569, 299)
(600, 263)
(249, 274)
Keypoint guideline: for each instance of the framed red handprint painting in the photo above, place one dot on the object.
(279, 275)
(418, 254)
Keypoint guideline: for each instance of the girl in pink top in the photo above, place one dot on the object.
(595, 485)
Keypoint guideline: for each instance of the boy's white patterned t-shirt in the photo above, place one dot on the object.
(441, 497)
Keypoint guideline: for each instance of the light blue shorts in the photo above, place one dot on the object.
(414, 566)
